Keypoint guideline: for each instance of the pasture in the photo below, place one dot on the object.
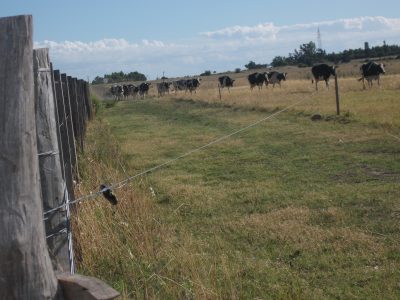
(288, 209)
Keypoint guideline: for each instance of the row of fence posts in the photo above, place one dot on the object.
(43, 119)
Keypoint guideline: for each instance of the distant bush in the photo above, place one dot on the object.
(252, 65)
(206, 73)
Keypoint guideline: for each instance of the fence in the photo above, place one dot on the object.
(43, 119)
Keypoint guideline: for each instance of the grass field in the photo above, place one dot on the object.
(288, 209)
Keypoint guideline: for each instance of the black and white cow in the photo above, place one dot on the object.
(192, 84)
(275, 77)
(258, 79)
(133, 90)
(322, 72)
(179, 85)
(225, 81)
(125, 91)
(371, 71)
(144, 89)
(162, 88)
(117, 92)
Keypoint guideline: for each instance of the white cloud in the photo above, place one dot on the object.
(222, 49)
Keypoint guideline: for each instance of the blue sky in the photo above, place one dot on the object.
(89, 38)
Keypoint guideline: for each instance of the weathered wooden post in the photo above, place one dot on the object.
(337, 95)
(58, 121)
(70, 126)
(80, 115)
(89, 104)
(65, 146)
(26, 269)
(51, 177)
(74, 107)
(83, 107)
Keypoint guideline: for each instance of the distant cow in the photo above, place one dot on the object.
(257, 79)
(133, 90)
(117, 92)
(371, 71)
(322, 72)
(192, 84)
(179, 85)
(162, 88)
(226, 81)
(125, 91)
(276, 78)
(144, 89)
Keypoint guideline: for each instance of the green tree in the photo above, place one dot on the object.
(251, 65)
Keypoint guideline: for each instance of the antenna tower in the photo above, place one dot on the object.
(319, 40)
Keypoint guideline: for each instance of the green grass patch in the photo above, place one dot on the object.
(289, 209)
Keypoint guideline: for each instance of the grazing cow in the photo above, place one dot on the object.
(125, 91)
(192, 84)
(225, 81)
(276, 78)
(371, 71)
(258, 79)
(133, 90)
(179, 85)
(322, 72)
(144, 89)
(117, 92)
(162, 88)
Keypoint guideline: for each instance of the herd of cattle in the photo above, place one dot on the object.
(369, 71)
(120, 92)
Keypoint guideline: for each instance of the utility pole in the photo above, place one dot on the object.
(319, 40)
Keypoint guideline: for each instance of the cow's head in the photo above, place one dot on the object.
(333, 70)
(266, 79)
(381, 68)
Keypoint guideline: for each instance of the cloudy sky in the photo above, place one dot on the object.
(92, 38)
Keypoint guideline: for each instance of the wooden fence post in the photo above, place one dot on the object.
(337, 96)
(65, 146)
(51, 177)
(74, 108)
(58, 121)
(88, 100)
(26, 269)
(82, 104)
(70, 126)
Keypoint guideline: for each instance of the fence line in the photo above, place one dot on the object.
(25, 264)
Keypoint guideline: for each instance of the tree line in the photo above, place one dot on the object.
(308, 54)
(119, 77)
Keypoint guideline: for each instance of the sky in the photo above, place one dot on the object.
(177, 38)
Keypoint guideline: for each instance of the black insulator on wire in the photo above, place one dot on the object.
(108, 194)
